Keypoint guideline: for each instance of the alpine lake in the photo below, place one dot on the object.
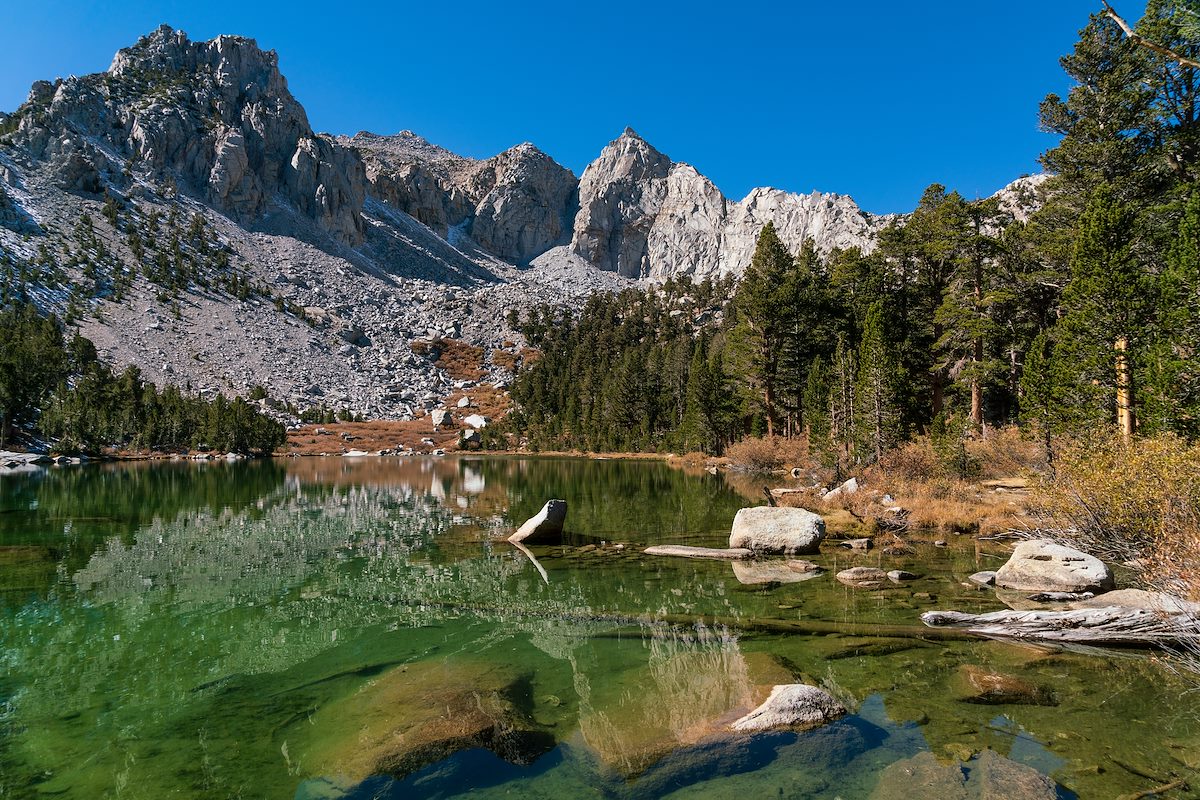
(358, 628)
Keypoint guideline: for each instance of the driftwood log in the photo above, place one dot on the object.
(1112, 626)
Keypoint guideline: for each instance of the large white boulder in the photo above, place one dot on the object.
(545, 527)
(792, 706)
(781, 531)
(1044, 566)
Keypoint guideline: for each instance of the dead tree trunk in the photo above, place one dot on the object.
(1112, 626)
(1126, 421)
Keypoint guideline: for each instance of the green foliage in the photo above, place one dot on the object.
(877, 421)
(33, 360)
(633, 371)
(58, 389)
(763, 305)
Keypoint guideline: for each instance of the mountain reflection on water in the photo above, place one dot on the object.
(358, 627)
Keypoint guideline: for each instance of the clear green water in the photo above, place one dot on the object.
(324, 628)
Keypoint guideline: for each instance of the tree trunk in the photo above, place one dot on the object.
(977, 350)
(1113, 626)
(1125, 416)
(977, 388)
(769, 406)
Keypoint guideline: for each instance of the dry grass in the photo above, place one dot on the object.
(505, 360)
(1136, 500)
(370, 436)
(461, 361)
(951, 506)
(1007, 452)
(396, 434)
(768, 453)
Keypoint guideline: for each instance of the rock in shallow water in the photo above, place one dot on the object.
(988, 776)
(545, 527)
(1043, 566)
(767, 571)
(863, 577)
(777, 531)
(793, 706)
(976, 684)
(685, 551)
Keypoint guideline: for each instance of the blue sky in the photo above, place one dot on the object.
(871, 99)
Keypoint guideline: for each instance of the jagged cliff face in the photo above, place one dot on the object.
(620, 195)
(515, 206)
(643, 216)
(214, 116)
(633, 212)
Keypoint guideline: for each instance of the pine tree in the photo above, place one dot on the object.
(1171, 386)
(762, 309)
(817, 417)
(1103, 329)
(842, 402)
(877, 416)
(969, 327)
(698, 428)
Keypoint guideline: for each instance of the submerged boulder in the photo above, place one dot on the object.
(777, 531)
(792, 706)
(988, 776)
(545, 527)
(1043, 566)
(418, 714)
(977, 684)
(864, 577)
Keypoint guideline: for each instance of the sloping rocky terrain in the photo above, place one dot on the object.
(181, 210)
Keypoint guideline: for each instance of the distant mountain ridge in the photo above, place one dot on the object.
(384, 239)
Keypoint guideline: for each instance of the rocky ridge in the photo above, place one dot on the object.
(355, 248)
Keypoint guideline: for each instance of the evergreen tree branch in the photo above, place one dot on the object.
(1138, 39)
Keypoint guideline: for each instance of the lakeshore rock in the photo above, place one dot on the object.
(984, 578)
(793, 706)
(545, 527)
(900, 575)
(1043, 566)
(849, 487)
(864, 577)
(777, 531)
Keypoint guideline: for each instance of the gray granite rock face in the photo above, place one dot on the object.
(515, 206)
(620, 195)
(1043, 566)
(777, 531)
(214, 116)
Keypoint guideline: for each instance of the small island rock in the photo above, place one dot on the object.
(863, 577)
(1043, 566)
(545, 527)
(792, 706)
(779, 531)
